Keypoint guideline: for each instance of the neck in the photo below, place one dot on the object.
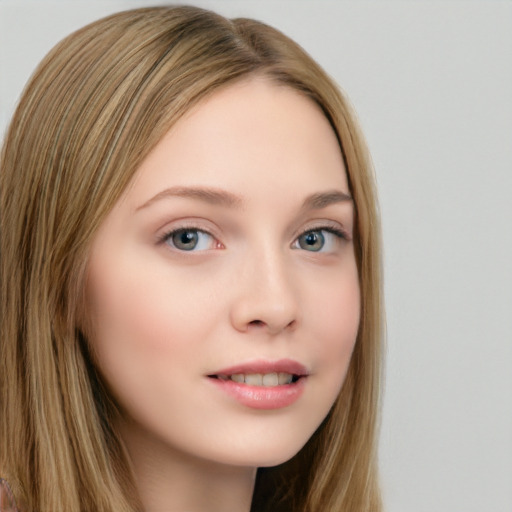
(173, 481)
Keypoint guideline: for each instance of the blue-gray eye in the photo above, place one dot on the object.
(189, 239)
(319, 240)
(312, 240)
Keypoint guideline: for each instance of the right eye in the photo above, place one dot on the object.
(189, 239)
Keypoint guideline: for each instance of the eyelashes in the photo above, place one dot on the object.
(319, 239)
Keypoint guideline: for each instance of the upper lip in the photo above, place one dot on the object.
(264, 367)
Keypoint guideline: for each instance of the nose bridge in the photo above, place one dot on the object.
(266, 298)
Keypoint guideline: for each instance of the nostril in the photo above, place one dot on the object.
(256, 322)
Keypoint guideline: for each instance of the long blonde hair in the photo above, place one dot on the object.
(94, 108)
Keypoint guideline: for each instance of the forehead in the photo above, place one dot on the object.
(244, 135)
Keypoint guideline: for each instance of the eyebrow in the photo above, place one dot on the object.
(208, 195)
(325, 199)
(218, 197)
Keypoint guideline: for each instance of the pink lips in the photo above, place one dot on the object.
(263, 397)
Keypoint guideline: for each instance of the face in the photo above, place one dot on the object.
(223, 288)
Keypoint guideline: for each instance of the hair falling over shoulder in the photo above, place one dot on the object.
(94, 108)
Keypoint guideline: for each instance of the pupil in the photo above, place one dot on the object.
(311, 238)
(187, 237)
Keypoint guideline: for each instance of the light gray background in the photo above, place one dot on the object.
(432, 83)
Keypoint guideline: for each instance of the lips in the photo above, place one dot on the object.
(265, 367)
(263, 384)
(264, 373)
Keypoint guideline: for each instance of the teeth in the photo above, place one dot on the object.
(270, 379)
(285, 378)
(259, 379)
(254, 379)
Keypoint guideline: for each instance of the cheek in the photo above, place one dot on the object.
(142, 305)
(335, 324)
(123, 312)
(140, 329)
(337, 312)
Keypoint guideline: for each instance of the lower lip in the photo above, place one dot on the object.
(262, 397)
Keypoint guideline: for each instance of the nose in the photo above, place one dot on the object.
(266, 299)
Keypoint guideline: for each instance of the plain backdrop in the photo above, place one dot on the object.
(432, 82)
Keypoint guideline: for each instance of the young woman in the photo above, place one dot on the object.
(191, 289)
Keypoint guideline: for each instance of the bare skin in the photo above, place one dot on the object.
(176, 482)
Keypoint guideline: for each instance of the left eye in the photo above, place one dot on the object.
(189, 239)
(317, 240)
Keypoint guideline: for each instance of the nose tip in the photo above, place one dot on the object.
(272, 324)
(247, 318)
(266, 304)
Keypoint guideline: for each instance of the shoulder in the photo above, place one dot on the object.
(7, 502)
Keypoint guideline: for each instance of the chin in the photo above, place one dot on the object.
(264, 452)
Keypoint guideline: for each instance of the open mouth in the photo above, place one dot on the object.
(263, 384)
(260, 379)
